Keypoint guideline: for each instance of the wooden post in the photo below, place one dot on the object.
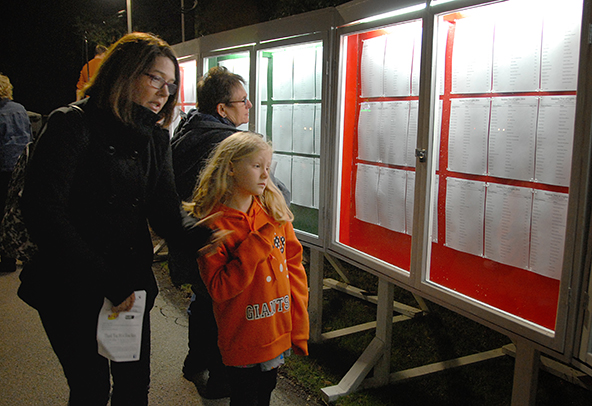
(526, 373)
(384, 330)
(315, 299)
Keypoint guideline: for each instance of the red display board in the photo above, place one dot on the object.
(520, 292)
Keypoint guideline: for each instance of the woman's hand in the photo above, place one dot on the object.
(217, 238)
(126, 305)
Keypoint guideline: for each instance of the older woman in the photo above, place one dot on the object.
(94, 181)
(222, 106)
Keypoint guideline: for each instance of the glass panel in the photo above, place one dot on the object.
(236, 63)
(187, 92)
(507, 89)
(380, 98)
(290, 84)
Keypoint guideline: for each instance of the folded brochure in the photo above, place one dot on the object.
(119, 335)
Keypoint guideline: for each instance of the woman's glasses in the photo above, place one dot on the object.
(158, 83)
(245, 101)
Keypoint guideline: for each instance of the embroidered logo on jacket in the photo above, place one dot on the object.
(256, 311)
(279, 242)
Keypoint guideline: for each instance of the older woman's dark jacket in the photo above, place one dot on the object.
(91, 188)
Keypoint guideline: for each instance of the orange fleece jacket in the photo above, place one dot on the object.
(258, 287)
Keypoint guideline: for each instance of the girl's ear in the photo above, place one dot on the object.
(230, 169)
(220, 108)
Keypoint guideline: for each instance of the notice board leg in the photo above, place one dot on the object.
(376, 356)
(351, 381)
(384, 329)
(338, 268)
(315, 302)
(526, 373)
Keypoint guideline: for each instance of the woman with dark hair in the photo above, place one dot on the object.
(99, 174)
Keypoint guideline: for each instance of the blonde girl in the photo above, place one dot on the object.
(256, 279)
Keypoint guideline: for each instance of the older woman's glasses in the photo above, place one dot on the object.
(245, 101)
(158, 83)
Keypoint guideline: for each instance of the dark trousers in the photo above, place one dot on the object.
(251, 386)
(72, 335)
(203, 336)
(203, 330)
(7, 264)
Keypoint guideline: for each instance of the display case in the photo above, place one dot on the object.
(289, 114)
(454, 162)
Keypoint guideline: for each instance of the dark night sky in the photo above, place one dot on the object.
(42, 54)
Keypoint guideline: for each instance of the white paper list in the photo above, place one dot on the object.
(472, 55)
(416, 58)
(302, 181)
(412, 133)
(372, 66)
(304, 73)
(465, 205)
(317, 129)
(319, 72)
(283, 169)
(391, 199)
(282, 75)
(262, 125)
(368, 128)
(467, 139)
(282, 127)
(512, 137)
(317, 183)
(443, 28)
(394, 121)
(507, 224)
(561, 46)
(517, 52)
(366, 191)
(398, 58)
(303, 128)
(410, 201)
(549, 216)
(554, 143)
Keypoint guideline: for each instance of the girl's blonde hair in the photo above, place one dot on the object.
(215, 183)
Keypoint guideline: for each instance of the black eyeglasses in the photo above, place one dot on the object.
(245, 101)
(158, 83)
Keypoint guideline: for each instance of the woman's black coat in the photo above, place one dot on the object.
(92, 185)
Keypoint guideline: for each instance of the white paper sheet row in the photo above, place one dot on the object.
(301, 175)
(297, 72)
(295, 127)
(387, 132)
(499, 50)
(516, 226)
(385, 197)
(523, 138)
(390, 62)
